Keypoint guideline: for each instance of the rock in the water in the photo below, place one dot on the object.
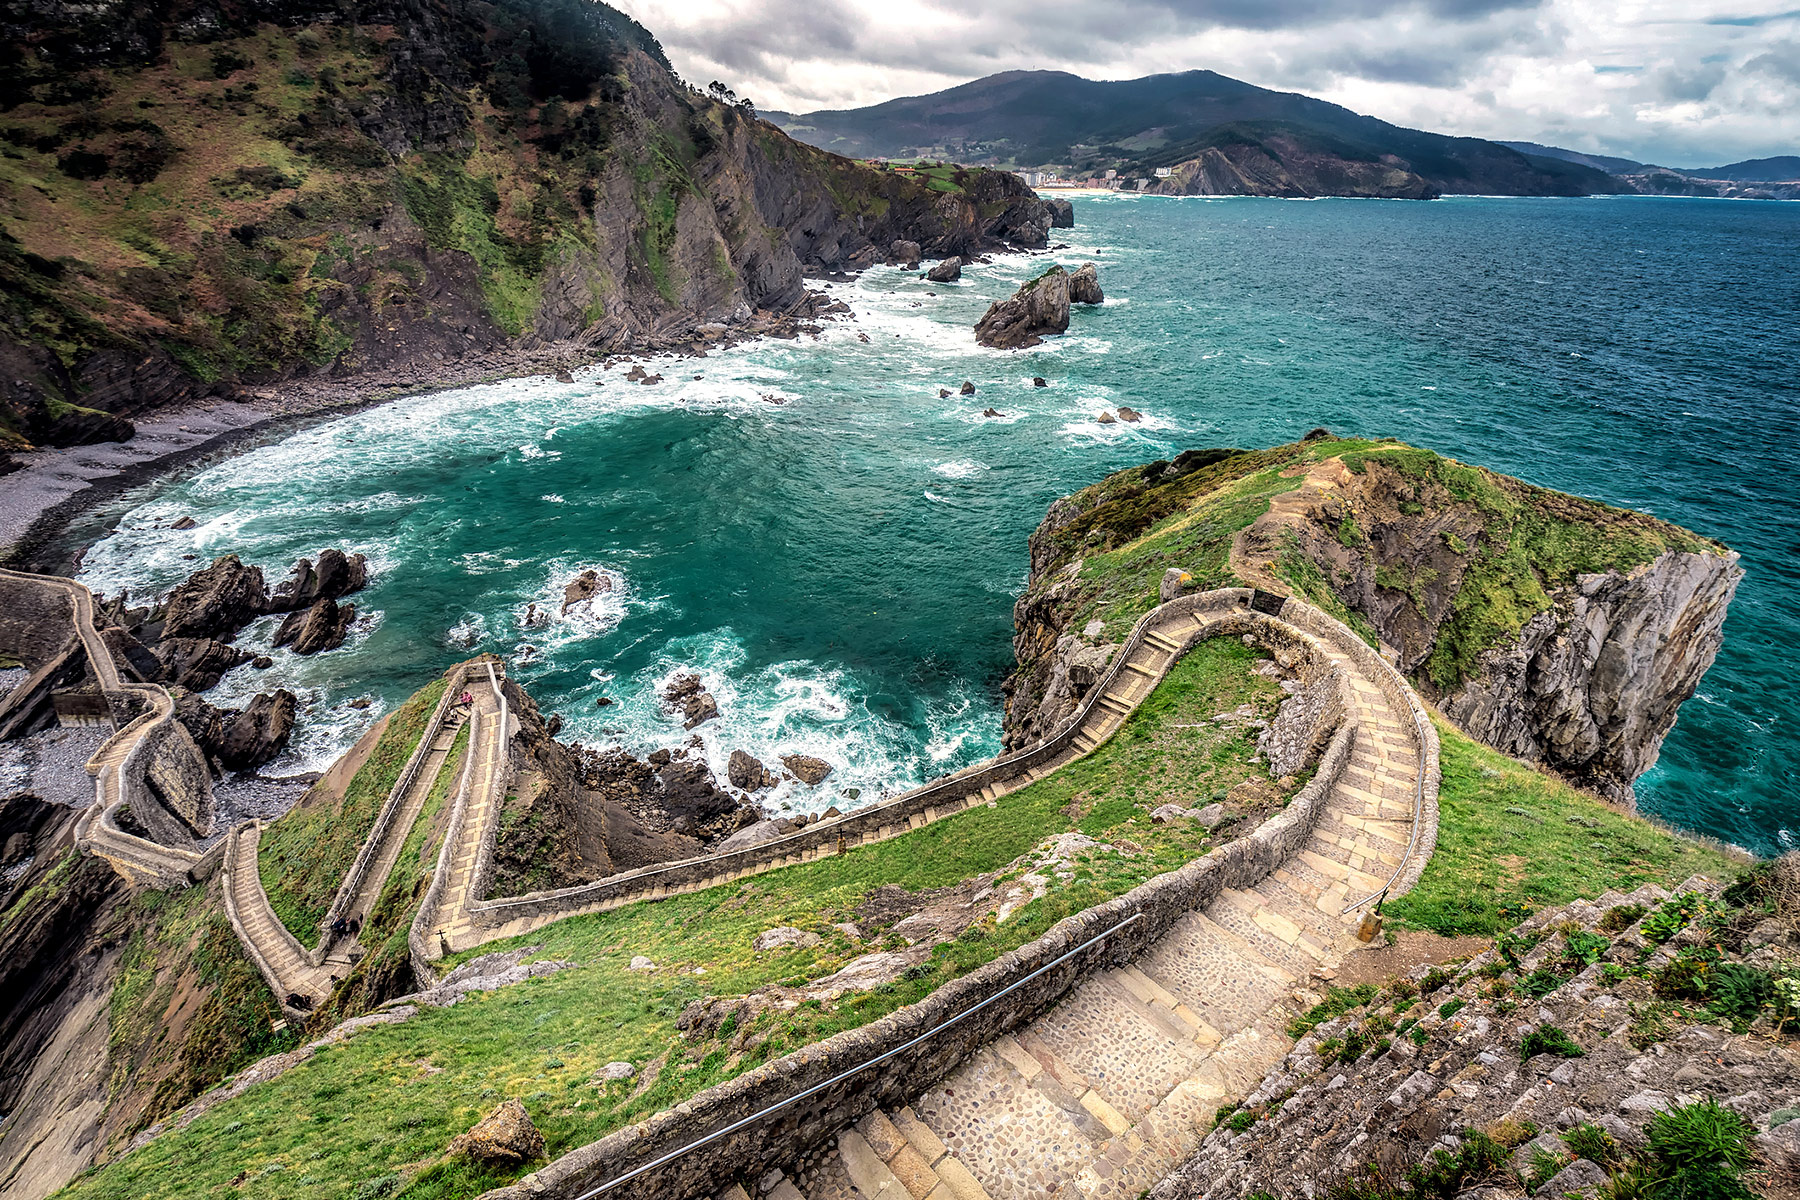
(1084, 286)
(783, 938)
(1062, 213)
(585, 587)
(196, 663)
(905, 253)
(1106, 418)
(746, 771)
(947, 271)
(262, 662)
(943, 393)
(505, 1136)
(687, 695)
(333, 577)
(186, 523)
(806, 769)
(321, 627)
(241, 741)
(1039, 381)
(968, 387)
(1129, 414)
(216, 602)
(992, 412)
(1038, 308)
(563, 376)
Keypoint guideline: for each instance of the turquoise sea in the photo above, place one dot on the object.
(840, 566)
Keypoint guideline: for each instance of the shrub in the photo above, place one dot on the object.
(1337, 1002)
(1699, 1152)
(1540, 983)
(1649, 1024)
(1738, 992)
(84, 164)
(1450, 1008)
(1434, 979)
(1585, 949)
(1592, 1143)
(1548, 1039)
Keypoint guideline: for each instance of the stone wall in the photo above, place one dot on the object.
(922, 1043)
(1303, 724)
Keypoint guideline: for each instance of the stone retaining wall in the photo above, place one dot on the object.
(36, 621)
(784, 1136)
(918, 807)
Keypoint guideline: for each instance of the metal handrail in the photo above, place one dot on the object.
(844, 1075)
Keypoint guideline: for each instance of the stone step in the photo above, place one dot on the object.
(1234, 919)
(1011, 1133)
(1271, 916)
(1162, 642)
(1128, 1056)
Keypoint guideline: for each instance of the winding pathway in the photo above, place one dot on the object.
(1115, 1086)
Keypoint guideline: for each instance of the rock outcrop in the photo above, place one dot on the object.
(240, 740)
(947, 271)
(1282, 164)
(1062, 213)
(334, 576)
(323, 626)
(747, 772)
(505, 1137)
(1084, 285)
(217, 601)
(195, 663)
(807, 769)
(1552, 628)
(1552, 1094)
(687, 695)
(1040, 308)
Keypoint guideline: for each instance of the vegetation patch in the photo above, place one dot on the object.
(304, 855)
(387, 1101)
(1511, 838)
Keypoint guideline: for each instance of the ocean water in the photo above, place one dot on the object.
(836, 549)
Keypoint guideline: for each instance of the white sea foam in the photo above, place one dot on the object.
(961, 468)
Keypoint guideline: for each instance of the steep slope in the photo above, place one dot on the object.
(195, 199)
(1781, 169)
(1051, 117)
(1553, 628)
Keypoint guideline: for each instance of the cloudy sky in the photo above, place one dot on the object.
(1677, 82)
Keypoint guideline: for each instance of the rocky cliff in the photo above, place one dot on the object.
(1282, 164)
(1553, 628)
(200, 198)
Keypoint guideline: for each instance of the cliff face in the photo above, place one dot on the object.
(1281, 165)
(195, 200)
(1555, 629)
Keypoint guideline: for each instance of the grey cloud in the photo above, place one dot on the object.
(1675, 83)
(1781, 61)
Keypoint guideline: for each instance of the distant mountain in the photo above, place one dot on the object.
(1784, 169)
(1600, 162)
(1231, 137)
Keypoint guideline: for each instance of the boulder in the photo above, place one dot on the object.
(505, 1136)
(905, 253)
(1038, 308)
(585, 587)
(751, 835)
(943, 393)
(992, 412)
(320, 627)
(1106, 418)
(334, 576)
(968, 387)
(687, 695)
(241, 741)
(1084, 286)
(196, 663)
(784, 937)
(1175, 582)
(746, 771)
(217, 601)
(947, 271)
(640, 963)
(1039, 381)
(615, 1072)
(186, 523)
(806, 769)
(1129, 414)
(563, 376)
(1062, 213)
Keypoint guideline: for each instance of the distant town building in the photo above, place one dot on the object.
(1164, 172)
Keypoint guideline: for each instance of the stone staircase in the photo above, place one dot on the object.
(280, 957)
(486, 790)
(1112, 1088)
